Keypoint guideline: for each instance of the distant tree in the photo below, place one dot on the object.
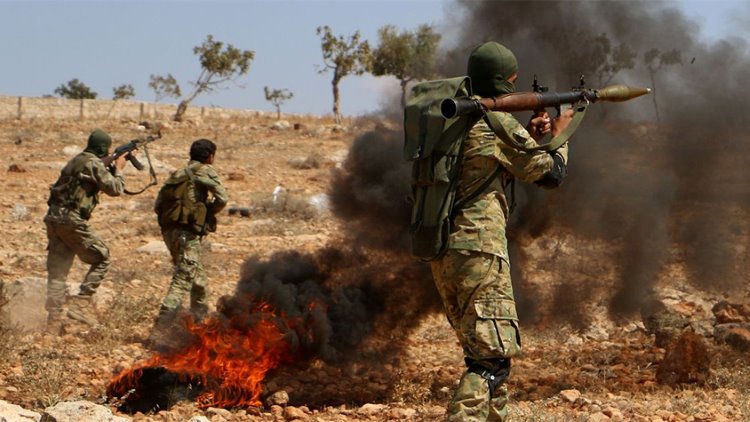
(277, 98)
(75, 90)
(607, 60)
(408, 56)
(655, 60)
(164, 86)
(344, 57)
(123, 92)
(218, 65)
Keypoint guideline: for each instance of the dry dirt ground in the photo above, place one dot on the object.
(606, 372)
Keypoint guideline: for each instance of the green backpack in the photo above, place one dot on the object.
(176, 205)
(434, 146)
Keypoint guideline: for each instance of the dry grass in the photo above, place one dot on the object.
(9, 335)
(413, 388)
(124, 314)
(45, 375)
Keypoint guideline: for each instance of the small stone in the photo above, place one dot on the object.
(570, 396)
(279, 398)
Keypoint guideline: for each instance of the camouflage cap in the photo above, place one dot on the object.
(99, 143)
(490, 66)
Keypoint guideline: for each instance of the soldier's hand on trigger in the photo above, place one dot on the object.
(539, 125)
(561, 122)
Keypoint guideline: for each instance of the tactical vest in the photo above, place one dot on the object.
(177, 204)
(75, 190)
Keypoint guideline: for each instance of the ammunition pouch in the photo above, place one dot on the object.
(495, 371)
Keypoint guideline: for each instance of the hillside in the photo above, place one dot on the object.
(600, 370)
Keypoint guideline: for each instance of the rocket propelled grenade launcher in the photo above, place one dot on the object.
(522, 101)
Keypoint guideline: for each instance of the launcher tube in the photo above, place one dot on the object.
(529, 101)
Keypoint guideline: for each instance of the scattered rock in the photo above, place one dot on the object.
(224, 414)
(400, 413)
(156, 247)
(570, 396)
(686, 361)
(235, 176)
(663, 322)
(20, 212)
(292, 413)
(198, 418)
(279, 398)
(79, 411)
(14, 413)
(371, 409)
(15, 168)
(727, 313)
(735, 335)
(281, 125)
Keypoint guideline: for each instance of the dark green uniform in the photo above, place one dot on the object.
(184, 241)
(72, 200)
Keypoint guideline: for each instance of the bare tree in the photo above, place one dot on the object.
(655, 60)
(407, 56)
(343, 57)
(277, 97)
(218, 65)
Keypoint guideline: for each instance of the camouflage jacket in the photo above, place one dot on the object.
(207, 181)
(479, 224)
(77, 188)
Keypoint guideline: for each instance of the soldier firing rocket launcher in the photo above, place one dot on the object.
(523, 101)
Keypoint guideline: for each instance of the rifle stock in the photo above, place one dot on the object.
(523, 101)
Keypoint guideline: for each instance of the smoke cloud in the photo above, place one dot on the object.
(659, 178)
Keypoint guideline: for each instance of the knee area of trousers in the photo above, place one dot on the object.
(495, 371)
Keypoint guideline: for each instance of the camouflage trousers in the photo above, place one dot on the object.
(66, 240)
(478, 299)
(188, 276)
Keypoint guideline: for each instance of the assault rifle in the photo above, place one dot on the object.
(540, 99)
(127, 149)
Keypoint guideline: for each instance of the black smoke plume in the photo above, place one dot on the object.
(659, 178)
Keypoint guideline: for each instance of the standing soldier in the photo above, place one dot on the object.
(473, 275)
(186, 207)
(72, 199)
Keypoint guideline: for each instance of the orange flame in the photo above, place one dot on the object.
(228, 363)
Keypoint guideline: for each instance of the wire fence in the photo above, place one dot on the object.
(27, 108)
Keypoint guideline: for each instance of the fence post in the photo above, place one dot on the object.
(82, 114)
(20, 108)
(143, 112)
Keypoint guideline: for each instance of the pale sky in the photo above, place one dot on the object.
(108, 43)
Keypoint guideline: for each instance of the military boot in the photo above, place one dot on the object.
(54, 323)
(160, 337)
(81, 308)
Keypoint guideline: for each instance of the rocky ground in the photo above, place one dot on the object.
(685, 359)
